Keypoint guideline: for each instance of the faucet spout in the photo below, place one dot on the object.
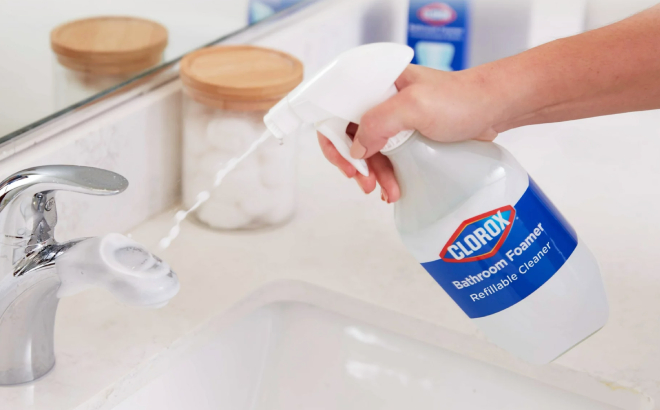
(119, 265)
(36, 270)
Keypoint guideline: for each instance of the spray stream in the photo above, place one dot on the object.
(205, 195)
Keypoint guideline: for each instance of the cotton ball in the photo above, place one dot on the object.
(222, 214)
(230, 134)
(238, 195)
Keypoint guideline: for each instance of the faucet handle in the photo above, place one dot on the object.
(86, 180)
(27, 204)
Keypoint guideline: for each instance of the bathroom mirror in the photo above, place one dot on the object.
(45, 74)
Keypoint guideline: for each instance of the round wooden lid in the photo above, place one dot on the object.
(109, 45)
(240, 77)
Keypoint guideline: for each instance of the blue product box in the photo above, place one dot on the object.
(438, 31)
(260, 9)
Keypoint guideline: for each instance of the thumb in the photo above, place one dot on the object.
(399, 113)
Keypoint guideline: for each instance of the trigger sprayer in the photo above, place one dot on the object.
(341, 93)
(469, 213)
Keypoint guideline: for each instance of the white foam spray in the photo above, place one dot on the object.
(205, 195)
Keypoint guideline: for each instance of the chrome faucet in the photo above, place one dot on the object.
(36, 270)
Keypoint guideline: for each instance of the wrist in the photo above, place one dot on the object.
(494, 96)
(507, 92)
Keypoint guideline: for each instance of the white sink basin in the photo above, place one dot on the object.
(294, 356)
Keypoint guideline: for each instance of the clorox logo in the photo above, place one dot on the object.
(437, 14)
(479, 237)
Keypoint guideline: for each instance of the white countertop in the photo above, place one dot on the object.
(341, 252)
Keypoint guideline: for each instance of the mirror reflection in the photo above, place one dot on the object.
(56, 54)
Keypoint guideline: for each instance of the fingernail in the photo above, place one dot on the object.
(357, 150)
(360, 185)
(383, 195)
(344, 172)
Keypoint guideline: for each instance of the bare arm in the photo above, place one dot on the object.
(610, 70)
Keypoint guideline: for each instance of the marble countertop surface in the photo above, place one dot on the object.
(342, 252)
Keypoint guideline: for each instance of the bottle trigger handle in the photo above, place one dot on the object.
(334, 129)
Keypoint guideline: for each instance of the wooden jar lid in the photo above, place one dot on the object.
(109, 45)
(244, 78)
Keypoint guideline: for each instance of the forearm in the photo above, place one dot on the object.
(606, 71)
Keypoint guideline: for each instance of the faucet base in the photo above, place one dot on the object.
(26, 333)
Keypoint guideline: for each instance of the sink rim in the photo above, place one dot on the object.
(294, 290)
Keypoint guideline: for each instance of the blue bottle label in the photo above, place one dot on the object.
(496, 259)
(438, 32)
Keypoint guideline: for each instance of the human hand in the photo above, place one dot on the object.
(443, 106)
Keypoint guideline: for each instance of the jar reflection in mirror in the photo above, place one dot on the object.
(228, 90)
(95, 54)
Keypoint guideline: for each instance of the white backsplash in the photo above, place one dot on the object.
(140, 140)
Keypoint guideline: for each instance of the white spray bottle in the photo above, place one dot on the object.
(469, 213)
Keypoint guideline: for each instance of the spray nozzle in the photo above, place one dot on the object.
(341, 93)
(282, 120)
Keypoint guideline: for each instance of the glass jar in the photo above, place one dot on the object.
(95, 54)
(71, 86)
(227, 92)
